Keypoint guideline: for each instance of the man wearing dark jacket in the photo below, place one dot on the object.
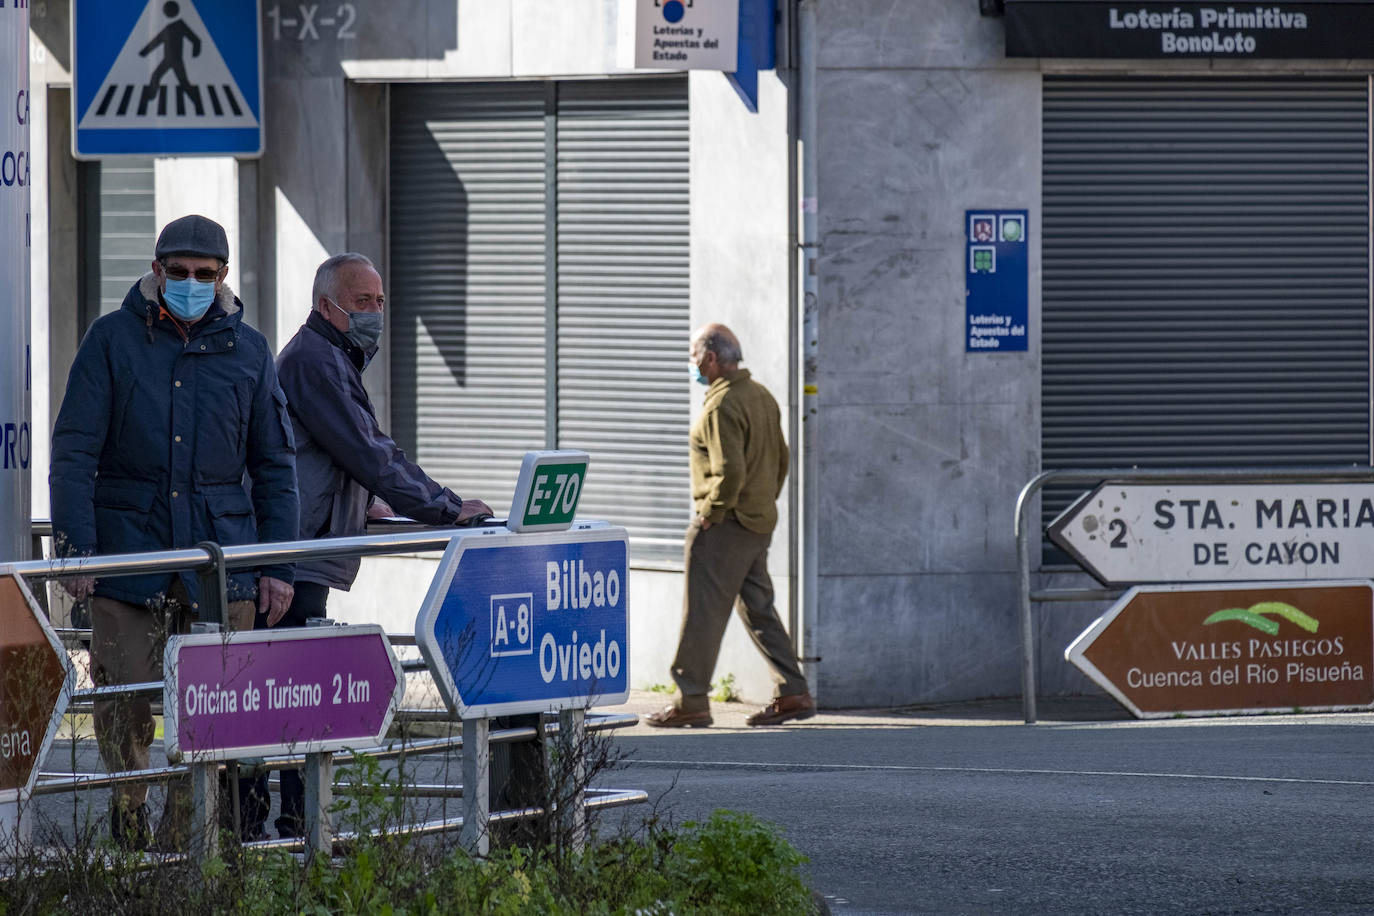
(347, 467)
(169, 401)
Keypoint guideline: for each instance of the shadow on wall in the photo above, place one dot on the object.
(429, 276)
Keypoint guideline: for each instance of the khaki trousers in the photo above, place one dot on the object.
(126, 648)
(727, 564)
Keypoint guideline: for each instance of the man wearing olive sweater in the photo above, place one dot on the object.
(738, 462)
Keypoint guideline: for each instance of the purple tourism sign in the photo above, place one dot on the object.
(261, 692)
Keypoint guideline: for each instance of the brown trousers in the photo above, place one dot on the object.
(126, 648)
(727, 564)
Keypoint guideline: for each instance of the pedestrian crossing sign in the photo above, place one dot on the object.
(166, 78)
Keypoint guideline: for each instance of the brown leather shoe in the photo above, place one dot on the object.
(784, 709)
(672, 717)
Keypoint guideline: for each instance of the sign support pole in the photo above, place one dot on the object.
(319, 797)
(476, 837)
(15, 360)
(204, 828)
(204, 822)
(572, 773)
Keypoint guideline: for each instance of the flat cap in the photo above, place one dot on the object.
(194, 235)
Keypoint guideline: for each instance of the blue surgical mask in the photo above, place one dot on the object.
(364, 328)
(695, 372)
(188, 299)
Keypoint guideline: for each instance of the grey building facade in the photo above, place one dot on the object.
(552, 222)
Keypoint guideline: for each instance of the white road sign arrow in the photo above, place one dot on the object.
(1127, 533)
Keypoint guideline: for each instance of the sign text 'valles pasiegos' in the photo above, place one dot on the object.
(1194, 649)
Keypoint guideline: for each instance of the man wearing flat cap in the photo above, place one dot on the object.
(170, 401)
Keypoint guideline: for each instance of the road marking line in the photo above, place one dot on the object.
(823, 767)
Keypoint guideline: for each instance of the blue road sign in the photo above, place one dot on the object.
(519, 623)
(996, 265)
(166, 78)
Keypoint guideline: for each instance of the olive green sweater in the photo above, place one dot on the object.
(738, 455)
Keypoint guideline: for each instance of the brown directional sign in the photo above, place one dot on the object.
(1199, 650)
(35, 686)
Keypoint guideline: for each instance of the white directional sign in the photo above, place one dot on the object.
(1126, 533)
(167, 77)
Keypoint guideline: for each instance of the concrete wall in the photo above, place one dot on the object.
(923, 447)
(741, 265)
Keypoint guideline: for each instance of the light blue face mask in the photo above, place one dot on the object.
(695, 372)
(364, 328)
(188, 299)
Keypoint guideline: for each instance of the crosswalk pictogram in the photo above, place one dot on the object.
(155, 98)
(169, 75)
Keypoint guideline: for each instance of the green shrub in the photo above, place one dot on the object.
(730, 864)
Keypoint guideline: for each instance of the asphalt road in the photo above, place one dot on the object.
(962, 810)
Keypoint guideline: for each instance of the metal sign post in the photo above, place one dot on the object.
(476, 835)
(572, 771)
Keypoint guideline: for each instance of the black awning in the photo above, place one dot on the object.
(1339, 29)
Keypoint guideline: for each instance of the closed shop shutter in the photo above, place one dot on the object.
(484, 177)
(623, 301)
(467, 281)
(1206, 287)
(119, 225)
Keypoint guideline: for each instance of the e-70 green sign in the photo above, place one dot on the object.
(547, 490)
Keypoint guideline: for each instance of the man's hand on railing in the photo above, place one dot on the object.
(274, 598)
(380, 508)
(474, 510)
(80, 587)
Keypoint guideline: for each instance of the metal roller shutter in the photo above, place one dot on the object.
(486, 179)
(1206, 287)
(623, 301)
(467, 281)
(120, 223)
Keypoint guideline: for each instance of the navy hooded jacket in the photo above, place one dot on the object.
(154, 436)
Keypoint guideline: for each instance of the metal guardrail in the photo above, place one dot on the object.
(211, 563)
(1025, 501)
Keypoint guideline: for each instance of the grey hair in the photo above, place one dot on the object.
(722, 343)
(328, 272)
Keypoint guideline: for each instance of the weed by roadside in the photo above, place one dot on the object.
(731, 863)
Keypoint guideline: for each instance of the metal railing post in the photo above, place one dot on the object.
(1023, 587)
(476, 837)
(214, 586)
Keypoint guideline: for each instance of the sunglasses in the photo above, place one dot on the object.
(202, 275)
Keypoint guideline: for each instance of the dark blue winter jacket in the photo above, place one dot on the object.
(343, 457)
(154, 436)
